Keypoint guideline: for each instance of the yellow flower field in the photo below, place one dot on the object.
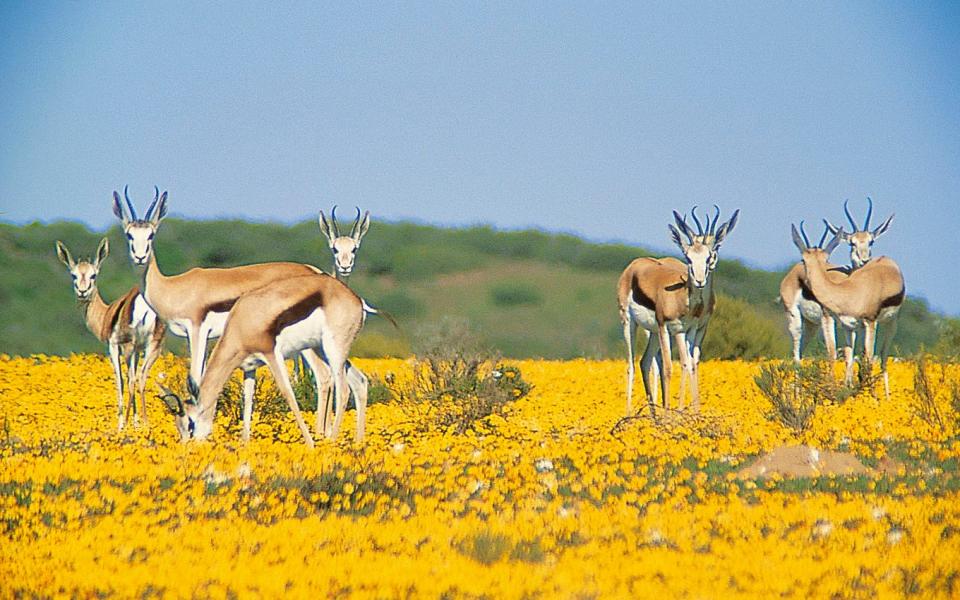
(548, 500)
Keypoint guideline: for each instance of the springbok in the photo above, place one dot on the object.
(870, 295)
(127, 325)
(668, 297)
(861, 240)
(278, 321)
(195, 304)
(344, 247)
(804, 313)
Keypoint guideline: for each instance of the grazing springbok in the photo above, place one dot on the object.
(265, 326)
(668, 297)
(861, 240)
(870, 295)
(195, 304)
(344, 247)
(804, 313)
(128, 326)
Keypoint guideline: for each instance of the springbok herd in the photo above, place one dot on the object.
(265, 313)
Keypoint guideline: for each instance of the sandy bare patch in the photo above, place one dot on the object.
(807, 461)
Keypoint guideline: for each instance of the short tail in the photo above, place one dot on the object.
(370, 310)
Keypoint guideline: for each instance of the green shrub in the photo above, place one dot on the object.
(796, 391)
(455, 383)
(515, 293)
(738, 330)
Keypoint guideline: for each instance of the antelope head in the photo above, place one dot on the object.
(700, 248)
(84, 273)
(860, 240)
(819, 253)
(191, 421)
(344, 247)
(140, 232)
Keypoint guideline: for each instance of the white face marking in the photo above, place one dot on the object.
(344, 250)
(84, 279)
(700, 261)
(140, 241)
(861, 244)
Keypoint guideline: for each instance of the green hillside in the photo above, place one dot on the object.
(526, 293)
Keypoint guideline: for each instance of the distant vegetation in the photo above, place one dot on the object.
(527, 293)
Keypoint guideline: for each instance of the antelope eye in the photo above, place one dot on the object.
(191, 426)
(336, 251)
(93, 277)
(150, 237)
(130, 237)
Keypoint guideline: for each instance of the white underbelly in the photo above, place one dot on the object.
(215, 322)
(643, 316)
(306, 333)
(888, 313)
(849, 323)
(810, 310)
(143, 321)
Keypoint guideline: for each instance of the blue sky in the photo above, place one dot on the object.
(596, 119)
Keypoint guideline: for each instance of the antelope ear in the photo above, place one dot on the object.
(102, 251)
(833, 243)
(118, 208)
(882, 227)
(362, 229)
(64, 255)
(325, 228)
(797, 240)
(161, 210)
(193, 389)
(678, 238)
(725, 229)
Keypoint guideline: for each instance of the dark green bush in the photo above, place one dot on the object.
(515, 293)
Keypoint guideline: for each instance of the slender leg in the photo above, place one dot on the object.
(149, 357)
(695, 355)
(869, 339)
(321, 377)
(648, 372)
(686, 363)
(629, 332)
(828, 327)
(114, 351)
(249, 387)
(795, 327)
(132, 368)
(359, 386)
(695, 377)
(884, 338)
(279, 371)
(197, 339)
(666, 365)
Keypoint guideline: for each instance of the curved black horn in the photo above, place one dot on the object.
(356, 224)
(846, 211)
(153, 205)
(693, 213)
(712, 227)
(866, 223)
(133, 213)
(823, 237)
(804, 234)
(333, 221)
